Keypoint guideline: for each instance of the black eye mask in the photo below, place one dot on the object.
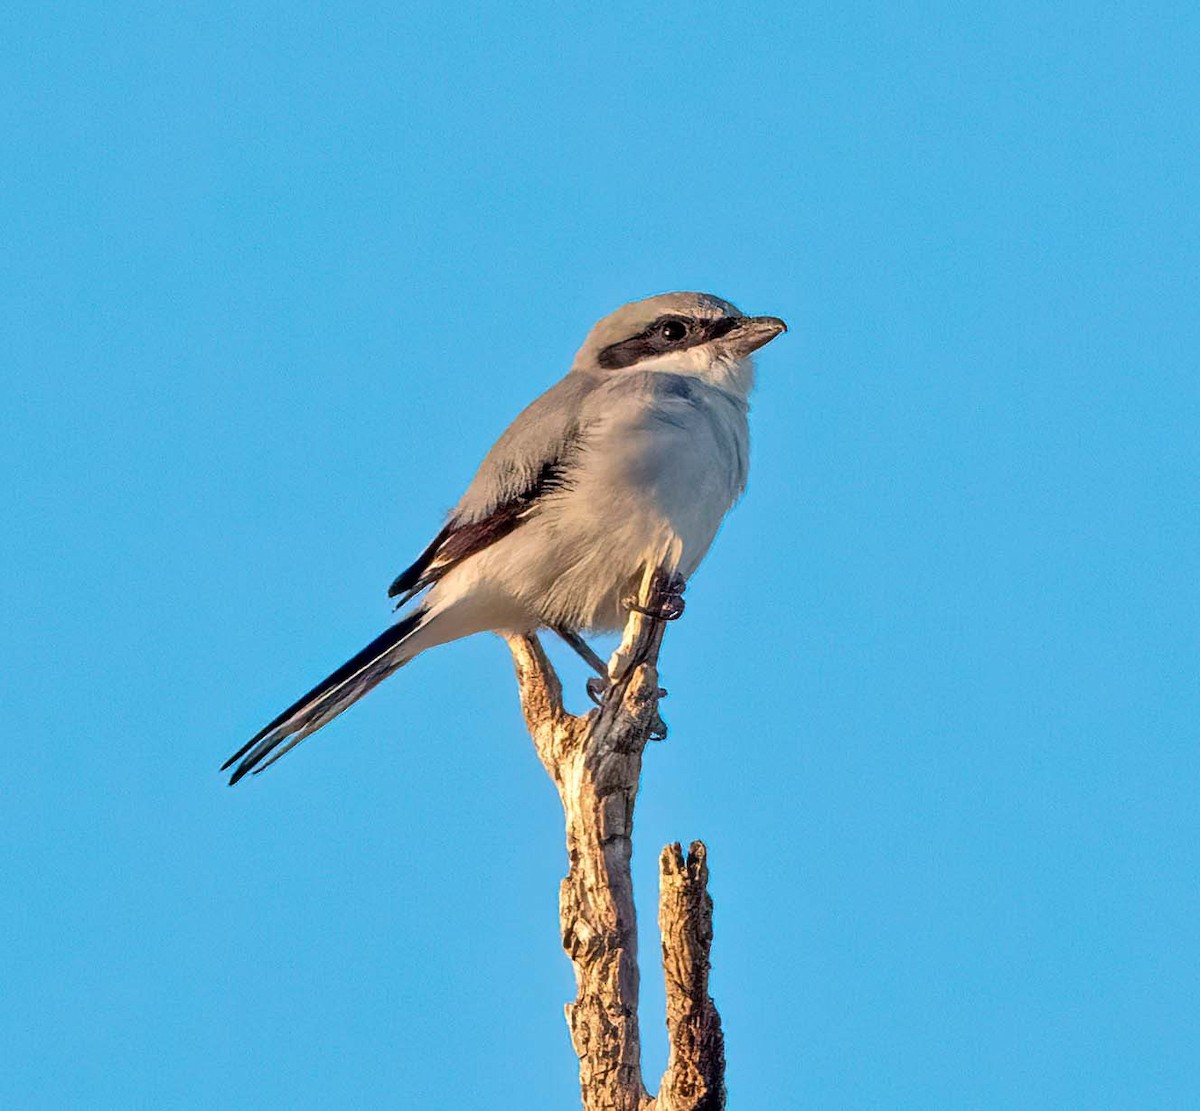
(667, 333)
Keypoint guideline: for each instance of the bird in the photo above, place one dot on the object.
(631, 461)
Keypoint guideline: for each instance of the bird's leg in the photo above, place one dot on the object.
(581, 646)
(666, 597)
(596, 686)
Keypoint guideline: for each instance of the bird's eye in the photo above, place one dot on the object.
(673, 330)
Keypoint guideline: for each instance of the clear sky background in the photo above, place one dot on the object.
(274, 277)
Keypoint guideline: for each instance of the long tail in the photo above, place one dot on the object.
(327, 699)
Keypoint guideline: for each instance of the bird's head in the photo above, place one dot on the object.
(680, 333)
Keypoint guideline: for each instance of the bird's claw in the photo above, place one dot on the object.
(597, 690)
(666, 598)
(669, 608)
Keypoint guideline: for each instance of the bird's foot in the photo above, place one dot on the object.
(598, 689)
(666, 597)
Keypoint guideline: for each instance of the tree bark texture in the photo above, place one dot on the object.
(595, 761)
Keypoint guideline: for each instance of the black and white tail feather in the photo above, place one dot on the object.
(337, 692)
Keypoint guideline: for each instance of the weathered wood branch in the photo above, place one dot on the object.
(595, 762)
(695, 1076)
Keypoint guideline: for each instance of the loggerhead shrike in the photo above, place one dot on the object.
(631, 461)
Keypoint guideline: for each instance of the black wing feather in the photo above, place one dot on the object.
(459, 540)
(408, 582)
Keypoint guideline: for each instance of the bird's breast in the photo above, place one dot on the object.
(673, 462)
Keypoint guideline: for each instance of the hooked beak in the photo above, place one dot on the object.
(752, 332)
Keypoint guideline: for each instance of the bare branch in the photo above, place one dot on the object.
(695, 1076)
(595, 762)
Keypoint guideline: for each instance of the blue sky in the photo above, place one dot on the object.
(272, 281)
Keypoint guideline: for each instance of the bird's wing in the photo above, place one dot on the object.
(531, 460)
